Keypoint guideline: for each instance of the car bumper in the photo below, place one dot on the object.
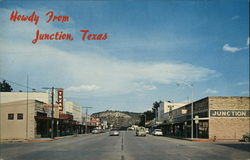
(114, 134)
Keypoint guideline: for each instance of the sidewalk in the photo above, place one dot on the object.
(189, 139)
(205, 140)
(44, 139)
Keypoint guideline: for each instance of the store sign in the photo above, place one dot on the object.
(184, 111)
(60, 99)
(229, 113)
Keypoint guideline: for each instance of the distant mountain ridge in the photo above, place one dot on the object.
(118, 119)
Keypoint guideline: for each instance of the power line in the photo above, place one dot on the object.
(18, 84)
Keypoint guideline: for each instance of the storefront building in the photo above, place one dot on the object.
(225, 118)
(30, 119)
(25, 119)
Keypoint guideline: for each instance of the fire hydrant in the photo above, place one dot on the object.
(214, 138)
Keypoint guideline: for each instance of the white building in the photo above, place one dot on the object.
(164, 109)
(69, 107)
(24, 119)
(7, 97)
(74, 109)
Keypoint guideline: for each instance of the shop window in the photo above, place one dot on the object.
(10, 116)
(19, 116)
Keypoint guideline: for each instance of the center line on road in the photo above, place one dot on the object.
(122, 143)
(122, 157)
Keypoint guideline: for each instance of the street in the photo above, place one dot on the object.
(127, 146)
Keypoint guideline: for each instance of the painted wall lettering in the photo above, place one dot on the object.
(229, 113)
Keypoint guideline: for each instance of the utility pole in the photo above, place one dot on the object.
(52, 109)
(86, 126)
(192, 106)
(27, 109)
(145, 120)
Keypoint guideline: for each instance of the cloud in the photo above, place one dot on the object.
(83, 88)
(149, 87)
(228, 48)
(246, 92)
(83, 71)
(242, 83)
(210, 91)
(235, 17)
(111, 75)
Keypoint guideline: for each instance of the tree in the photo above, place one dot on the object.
(142, 121)
(149, 115)
(5, 87)
(156, 105)
(146, 116)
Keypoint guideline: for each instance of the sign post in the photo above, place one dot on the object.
(196, 118)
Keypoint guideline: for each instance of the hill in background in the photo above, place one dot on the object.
(119, 119)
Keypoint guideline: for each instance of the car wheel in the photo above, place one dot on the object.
(246, 139)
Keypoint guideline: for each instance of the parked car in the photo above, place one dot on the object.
(246, 137)
(157, 132)
(151, 131)
(101, 131)
(140, 131)
(95, 131)
(130, 129)
(114, 132)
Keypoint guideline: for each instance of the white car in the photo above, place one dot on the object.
(95, 131)
(157, 132)
(114, 132)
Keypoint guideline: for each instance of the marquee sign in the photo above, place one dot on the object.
(229, 113)
(60, 99)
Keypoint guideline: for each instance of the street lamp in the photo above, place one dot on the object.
(192, 105)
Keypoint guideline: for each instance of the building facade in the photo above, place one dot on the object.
(165, 108)
(29, 116)
(18, 96)
(22, 119)
(225, 118)
(74, 109)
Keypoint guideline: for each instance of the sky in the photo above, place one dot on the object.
(151, 45)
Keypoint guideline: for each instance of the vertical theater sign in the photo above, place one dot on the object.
(60, 99)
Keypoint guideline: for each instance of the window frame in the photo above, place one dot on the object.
(11, 116)
(19, 114)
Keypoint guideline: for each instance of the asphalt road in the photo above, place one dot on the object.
(124, 147)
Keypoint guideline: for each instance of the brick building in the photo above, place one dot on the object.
(219, 117)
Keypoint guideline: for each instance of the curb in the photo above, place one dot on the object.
(199, 140)
(56, 138)
(45, 140)
(193, 140)
(42, 140)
